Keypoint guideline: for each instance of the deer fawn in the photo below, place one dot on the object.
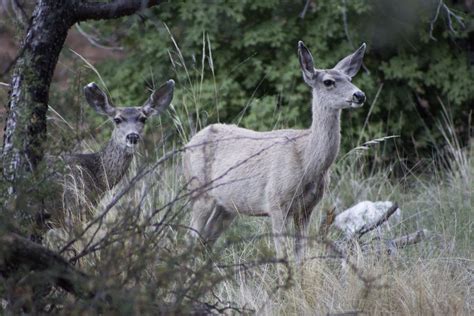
(280, 173)
(93, 174)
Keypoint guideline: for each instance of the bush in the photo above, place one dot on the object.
(243, 55)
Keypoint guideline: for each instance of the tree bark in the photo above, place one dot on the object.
(25, 127)
(17, 252)
(112, 10)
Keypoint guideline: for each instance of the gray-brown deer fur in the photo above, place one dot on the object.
(281, 173)
(93, 174)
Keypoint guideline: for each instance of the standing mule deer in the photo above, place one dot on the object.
(93, 174)
(280, 173)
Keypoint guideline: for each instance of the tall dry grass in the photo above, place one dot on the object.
(435, 277)
(136, 239)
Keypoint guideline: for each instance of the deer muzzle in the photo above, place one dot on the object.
(133, 138)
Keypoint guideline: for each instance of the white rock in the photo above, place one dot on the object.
(363, 213)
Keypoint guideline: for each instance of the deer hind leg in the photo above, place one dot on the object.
(217, 223)
(202, 209)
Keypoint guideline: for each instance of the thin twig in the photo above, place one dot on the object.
(91, 39)
(112, 10)
(449, 15)
(410, 239)
(346, 30)
(369, 227)
(345, 23)
(305, 9)
(20, 13)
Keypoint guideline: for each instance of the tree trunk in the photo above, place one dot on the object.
(25, 128)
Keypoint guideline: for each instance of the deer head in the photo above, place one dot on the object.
(129, 121)
(333, 87)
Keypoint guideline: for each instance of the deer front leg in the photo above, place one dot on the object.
(301, 221)
(311, 196)
(279, 231)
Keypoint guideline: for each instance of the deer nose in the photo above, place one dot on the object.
(359, 97)
(133, 138)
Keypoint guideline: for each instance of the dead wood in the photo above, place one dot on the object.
(18, 253)
(371, 226)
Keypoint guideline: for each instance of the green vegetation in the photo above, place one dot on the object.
(243, 55)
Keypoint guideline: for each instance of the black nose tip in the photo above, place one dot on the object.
(133, 138)
(359, 97)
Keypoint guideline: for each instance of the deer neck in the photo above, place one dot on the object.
(324, 140)
(115, 161)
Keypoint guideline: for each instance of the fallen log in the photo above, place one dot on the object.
(17, 252)
(410, 239)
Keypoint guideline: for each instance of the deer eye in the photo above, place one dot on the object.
(142, 119)
(117, 120)
(329, 82)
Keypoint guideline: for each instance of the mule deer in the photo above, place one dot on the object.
(96, 173)
(281, 173)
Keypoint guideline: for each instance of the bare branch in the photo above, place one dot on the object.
(369, 227)
(345, 23)
(113, 9)
(435, 18)
(16, 252)
(391, 246)
(305, 9)
(16, 11)
(94, 41)
(449, 16)
(410, 239)
(346, 30)
(20, 13)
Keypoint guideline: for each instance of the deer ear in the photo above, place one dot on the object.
(98, 99)
(306, 61)
(351, 64)
(159, 99)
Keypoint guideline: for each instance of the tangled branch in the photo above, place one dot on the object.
(450, 15)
